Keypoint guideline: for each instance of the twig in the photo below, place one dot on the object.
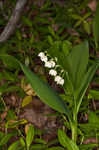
(10, 27)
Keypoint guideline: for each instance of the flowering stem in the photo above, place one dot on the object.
(74, 129)
(74, 124)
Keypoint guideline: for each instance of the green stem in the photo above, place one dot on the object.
(27, 148)
(74, 124)
(74, 129)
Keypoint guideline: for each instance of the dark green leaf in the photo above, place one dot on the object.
(43, 90)
(65, 141)
(76, 63)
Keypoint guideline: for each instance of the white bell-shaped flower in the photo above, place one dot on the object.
(53, 72)
(44, 59)
(52, 63)
(41, 54)
(59, 80)
(48, 64)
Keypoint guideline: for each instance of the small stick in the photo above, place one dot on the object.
(11, 25)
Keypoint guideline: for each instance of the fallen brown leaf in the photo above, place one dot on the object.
(35, 118)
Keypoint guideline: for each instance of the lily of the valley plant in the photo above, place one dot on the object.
(77, 77)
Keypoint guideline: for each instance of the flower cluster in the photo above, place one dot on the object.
(51, 64)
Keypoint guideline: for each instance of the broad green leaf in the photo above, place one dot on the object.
(5, 139)
(30, 136)
(65, 141)
(96, 26)
(26, 100)
(76, 63)
(14, 146)
(85, 83)
(44, 91)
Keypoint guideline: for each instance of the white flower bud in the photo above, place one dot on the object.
(52, 63)
(53, 72)
(44, 59)
(59, 80)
